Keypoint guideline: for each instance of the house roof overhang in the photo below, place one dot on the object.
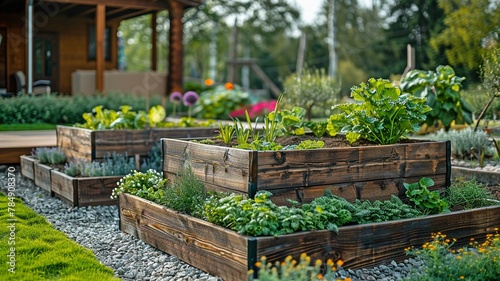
(116, 10)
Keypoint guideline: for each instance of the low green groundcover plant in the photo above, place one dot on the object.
(32, 249)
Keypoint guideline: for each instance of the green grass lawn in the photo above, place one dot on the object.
(27, 127)
(40, 252)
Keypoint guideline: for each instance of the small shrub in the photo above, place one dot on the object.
(114, 164)
(467, 144)
(475, 262)
(218, 102)
(313, 90)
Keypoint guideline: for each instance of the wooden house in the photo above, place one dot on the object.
(53, 39)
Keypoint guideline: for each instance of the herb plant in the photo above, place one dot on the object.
(149, 185)
(469, 194)
(186, 193)
(428, 202)
(382, 114)
(114, 164)
(50, 155)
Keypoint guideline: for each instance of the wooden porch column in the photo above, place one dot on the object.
(100, 23)
(154, 50)
(175, 55)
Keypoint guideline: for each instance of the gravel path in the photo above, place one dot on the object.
(96, 228)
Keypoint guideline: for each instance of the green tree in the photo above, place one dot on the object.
(415, 23)
(471, 27)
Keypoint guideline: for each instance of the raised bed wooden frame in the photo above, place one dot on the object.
(28, 166)
(229, 255)
(42, 176)
(362, 172)
(92, 145)
(84, 191)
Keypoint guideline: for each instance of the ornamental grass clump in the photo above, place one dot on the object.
(475, 262)
(469, 194)
(381, 113)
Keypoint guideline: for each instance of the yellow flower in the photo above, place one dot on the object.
(462, 277)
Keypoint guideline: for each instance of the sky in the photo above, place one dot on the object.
(310, 8)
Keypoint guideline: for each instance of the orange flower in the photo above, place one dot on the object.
(340, 262)
(209, 82)
(347, 279)
(229, 86)
(320, 276)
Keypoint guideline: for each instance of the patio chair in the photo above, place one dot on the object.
(39, 86)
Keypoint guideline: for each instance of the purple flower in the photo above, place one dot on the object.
(175, 97)
(190, 98)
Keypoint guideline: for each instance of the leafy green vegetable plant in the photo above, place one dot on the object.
(380, 211)
(441, 89)
(428, 202)
(382, 113)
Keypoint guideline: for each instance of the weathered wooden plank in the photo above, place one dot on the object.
(364, 172)
(96, 144)
(42, 176)
(222, 252)
(97, 190)
(64, 187)
(27, 166)
(211, 248)
(75, 142)
(218, 166)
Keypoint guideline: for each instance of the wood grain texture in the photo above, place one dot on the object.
(84, 191)
(363, 172)
(214, 249)
(228, 255)
(96, 144)
(28, 166)
(42, 176)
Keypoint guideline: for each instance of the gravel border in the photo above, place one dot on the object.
(97, 228)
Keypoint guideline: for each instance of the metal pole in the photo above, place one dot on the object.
(30, 47)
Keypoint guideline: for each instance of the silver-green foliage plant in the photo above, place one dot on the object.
(467, 144)
(113, 165)
(50, 155)
(381, 113)
(313, 90)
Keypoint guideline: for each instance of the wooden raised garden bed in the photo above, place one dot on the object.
(229, 255)
(28, 166)
(362, 172)
(96, 144)
(42, 176)
(83, 191)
